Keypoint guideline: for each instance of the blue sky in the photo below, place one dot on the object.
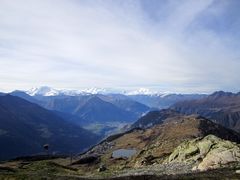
(169, 45)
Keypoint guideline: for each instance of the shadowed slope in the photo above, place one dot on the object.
(25, 127)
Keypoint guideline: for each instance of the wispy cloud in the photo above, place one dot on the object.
(178, 45)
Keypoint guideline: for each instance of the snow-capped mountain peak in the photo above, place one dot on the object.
(43, 91)
(95, 90)
(48, 91)
(142, 91)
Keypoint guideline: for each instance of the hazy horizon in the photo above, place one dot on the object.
(115, 90)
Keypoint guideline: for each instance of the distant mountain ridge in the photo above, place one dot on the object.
(150, 98)
(221, 107)
(155, 118)
(49, 91)
(164, 101)
(92, 111)
(95, 109)
(123, 108)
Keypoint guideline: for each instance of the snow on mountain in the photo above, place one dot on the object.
(43, 91)
(95, 90)
(86, 91)
(48, 91)
(143, 91)
(146, 91)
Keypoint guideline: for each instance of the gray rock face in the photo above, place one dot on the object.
(206, 153)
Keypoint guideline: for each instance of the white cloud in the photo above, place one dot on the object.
(73, 44)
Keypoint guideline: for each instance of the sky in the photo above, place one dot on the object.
(185, 46)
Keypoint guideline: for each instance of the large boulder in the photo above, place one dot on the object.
(206, 153)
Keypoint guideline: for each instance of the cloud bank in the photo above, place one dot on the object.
(177, 46)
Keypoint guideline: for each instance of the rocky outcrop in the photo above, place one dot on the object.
(206, 153)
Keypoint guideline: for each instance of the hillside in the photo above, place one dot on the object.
(154, 118)
(97, 110)
(102, 107)
(221, 107)
(143, 147)
(126, 103)
(174, 148)
(25, 127)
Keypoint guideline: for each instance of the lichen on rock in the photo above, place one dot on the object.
(206, 153)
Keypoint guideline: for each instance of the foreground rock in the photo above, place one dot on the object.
(206, 153)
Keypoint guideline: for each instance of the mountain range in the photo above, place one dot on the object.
(152, 99)
(100, 110)
(189, 133)
(48, 91)
(46, 115)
